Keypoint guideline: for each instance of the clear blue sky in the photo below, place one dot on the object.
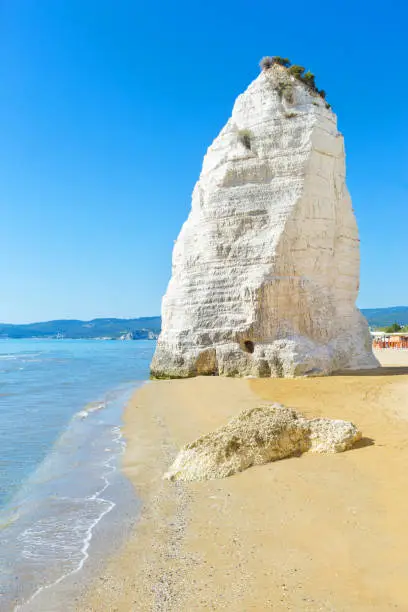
(107, 108)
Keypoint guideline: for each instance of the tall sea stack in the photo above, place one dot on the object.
(266, 268)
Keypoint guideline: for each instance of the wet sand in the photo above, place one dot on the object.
(318, 532)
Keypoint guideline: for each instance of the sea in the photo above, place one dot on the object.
(64, 503)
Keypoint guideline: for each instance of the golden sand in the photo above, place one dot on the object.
(318, 532)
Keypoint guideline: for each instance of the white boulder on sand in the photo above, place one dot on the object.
(256, 436)
(266, 268)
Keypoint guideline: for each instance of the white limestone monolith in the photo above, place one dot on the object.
(265, 270)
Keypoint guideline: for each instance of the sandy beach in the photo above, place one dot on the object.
(317, 532)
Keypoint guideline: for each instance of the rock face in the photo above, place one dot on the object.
(260, 435)
(266, 268)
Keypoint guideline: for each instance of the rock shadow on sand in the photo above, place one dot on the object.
(383, 371)
(363, 442)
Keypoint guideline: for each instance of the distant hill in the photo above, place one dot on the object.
(136, 329)
(382, 317)
(149, 327)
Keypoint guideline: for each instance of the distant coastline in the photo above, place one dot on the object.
(148, 328)
(142, 328)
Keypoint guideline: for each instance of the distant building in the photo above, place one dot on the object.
(396, 340)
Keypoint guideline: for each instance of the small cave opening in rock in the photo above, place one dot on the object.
(248, 346)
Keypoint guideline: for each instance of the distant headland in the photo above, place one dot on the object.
(102, 329)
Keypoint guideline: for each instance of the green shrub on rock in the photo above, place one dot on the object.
(285, 90)
(309, 79)
(296, 71)
(282, 61)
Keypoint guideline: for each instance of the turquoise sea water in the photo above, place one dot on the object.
(61, 403)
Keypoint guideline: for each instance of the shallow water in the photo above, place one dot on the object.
(61, 403)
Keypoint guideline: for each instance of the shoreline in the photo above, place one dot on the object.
(69, 492)
(317, 532)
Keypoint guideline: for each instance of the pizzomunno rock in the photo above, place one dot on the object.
(257, 436)
(266, 267)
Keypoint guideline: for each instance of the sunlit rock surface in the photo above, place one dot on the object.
(266, 268)
(257, 436)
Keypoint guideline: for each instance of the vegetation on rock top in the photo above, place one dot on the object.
(299, 72)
